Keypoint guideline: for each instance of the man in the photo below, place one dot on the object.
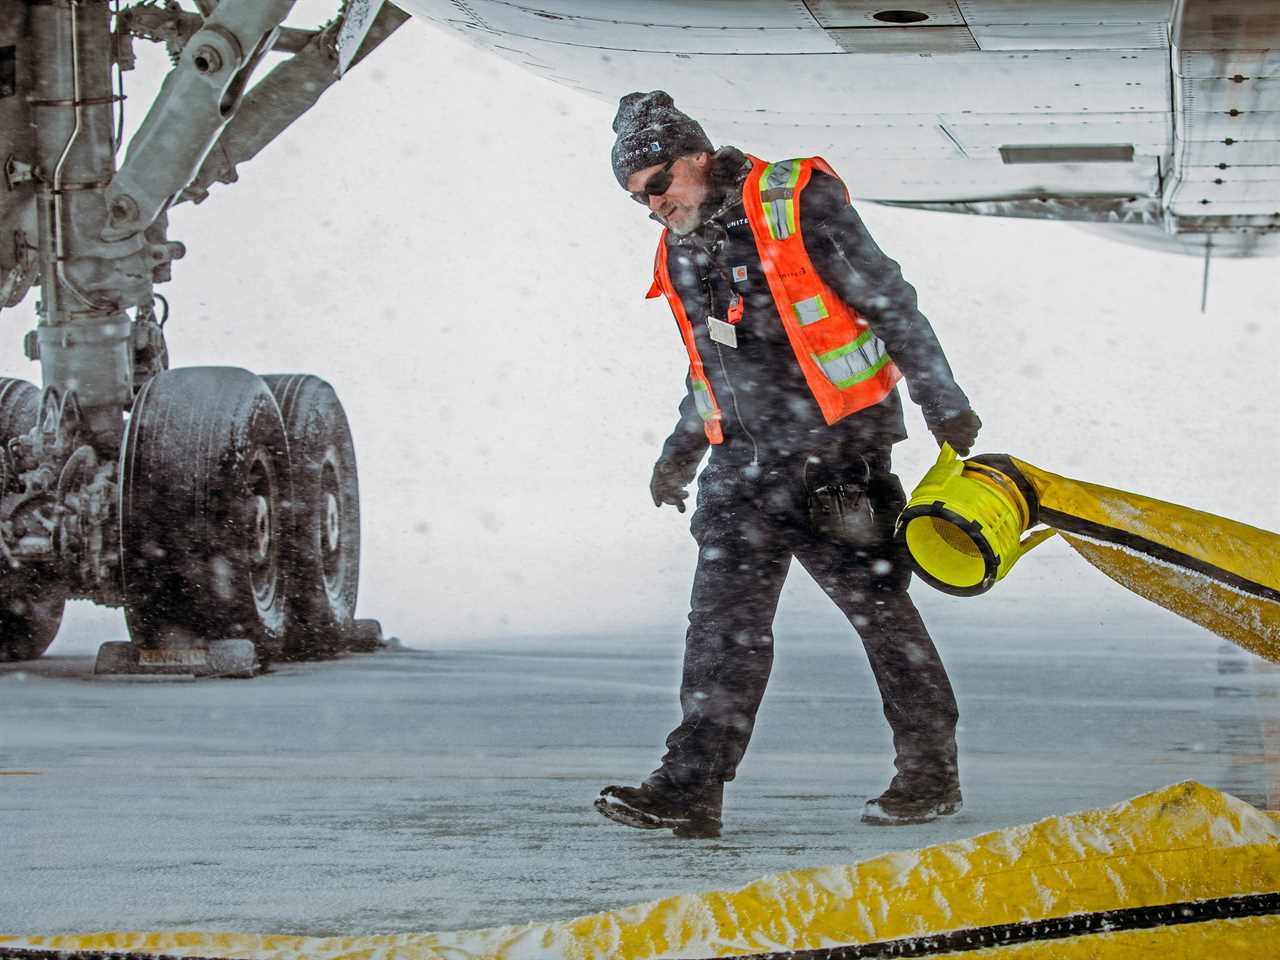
(797, 329)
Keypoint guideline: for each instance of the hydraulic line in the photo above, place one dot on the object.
(119, 138)
(56, 226)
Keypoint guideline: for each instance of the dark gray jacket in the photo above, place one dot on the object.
(770, 415)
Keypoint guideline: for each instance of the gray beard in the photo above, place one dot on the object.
(714, 206)
(684, 231)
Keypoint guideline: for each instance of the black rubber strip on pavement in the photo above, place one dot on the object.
(1053, 928)
(930, 945)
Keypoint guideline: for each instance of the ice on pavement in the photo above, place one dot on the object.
(1182, 844)
(450, 789)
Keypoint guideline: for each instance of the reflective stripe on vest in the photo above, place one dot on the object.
(846, 367)
(854, 362)
(777, 191)
(702, 399)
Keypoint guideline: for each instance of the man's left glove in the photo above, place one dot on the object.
(958, 429)
(667, 485)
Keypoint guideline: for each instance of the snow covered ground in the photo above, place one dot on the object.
(416, 790)
(507, 529)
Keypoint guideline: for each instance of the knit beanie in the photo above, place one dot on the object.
(651, 131)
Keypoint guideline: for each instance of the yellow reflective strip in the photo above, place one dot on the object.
(791, 204)
(702, 399)
(865, 374)
(840, 351)
(767, 205)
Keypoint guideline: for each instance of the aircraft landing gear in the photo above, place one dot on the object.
(30, 608)
(221, 511)
(239, 518)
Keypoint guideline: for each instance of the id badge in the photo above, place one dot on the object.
(722, 332)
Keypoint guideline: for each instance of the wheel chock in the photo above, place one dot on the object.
(232, 658)
(116, 657)
(365, 636)
(186, 661)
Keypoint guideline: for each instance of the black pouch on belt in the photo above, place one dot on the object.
(841, 509)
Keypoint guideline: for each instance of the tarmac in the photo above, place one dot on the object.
(418, 790)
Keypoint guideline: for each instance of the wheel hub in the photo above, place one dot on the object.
(332, 523)
(262, 529)
(264, 561)
(332, 547)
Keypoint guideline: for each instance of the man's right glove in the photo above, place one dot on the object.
(667, 485)
(958, 429)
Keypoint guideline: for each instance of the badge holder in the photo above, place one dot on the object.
(725, 331)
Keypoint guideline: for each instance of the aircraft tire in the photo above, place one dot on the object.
(30, 611)
(322, 542)
(204, 488)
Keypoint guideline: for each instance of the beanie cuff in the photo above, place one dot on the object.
(651, 131)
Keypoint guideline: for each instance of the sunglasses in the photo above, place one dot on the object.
(658, 184)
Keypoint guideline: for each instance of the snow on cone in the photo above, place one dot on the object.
(965, 521)
(1182, 872)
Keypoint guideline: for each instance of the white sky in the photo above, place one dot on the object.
(443, 240)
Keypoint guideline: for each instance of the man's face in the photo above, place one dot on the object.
(677, 206)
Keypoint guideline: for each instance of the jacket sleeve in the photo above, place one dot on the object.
(688, 441)
(851, 263)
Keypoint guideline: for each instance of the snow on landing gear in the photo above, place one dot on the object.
(204, 480)
(321, 549)
(30, 611)
(167, 492)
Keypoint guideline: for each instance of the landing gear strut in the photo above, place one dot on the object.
(218, 508)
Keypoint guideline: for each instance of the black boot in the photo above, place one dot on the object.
(912, 800)
(657, 804)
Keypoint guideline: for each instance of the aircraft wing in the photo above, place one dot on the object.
(1161, 118)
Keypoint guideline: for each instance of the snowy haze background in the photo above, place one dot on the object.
(442, 239)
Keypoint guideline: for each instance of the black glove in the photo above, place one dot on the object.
(958, 429)
(667, 485)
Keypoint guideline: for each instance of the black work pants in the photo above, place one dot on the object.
(748, 525)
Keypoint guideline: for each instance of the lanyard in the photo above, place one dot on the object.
(733, 315)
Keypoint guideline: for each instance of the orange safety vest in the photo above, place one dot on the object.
(845, 365)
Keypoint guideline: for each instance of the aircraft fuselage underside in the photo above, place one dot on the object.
(1161, 118)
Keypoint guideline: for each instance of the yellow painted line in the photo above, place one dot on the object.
(1183, 843)
(21, 773)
